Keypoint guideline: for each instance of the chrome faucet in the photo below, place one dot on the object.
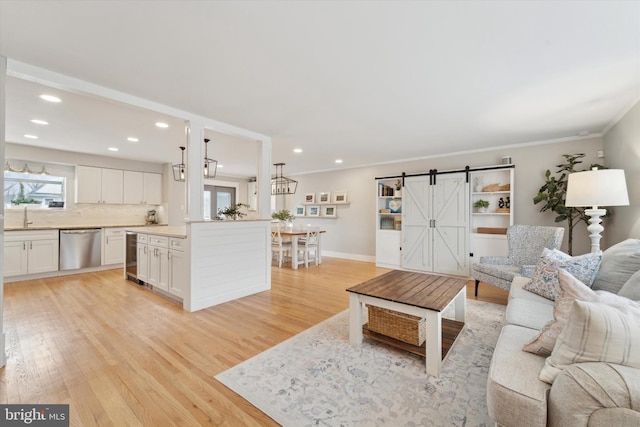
(25, 220)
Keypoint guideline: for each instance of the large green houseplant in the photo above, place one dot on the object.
(554, 192)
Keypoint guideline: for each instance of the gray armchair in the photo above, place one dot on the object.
(526, 243)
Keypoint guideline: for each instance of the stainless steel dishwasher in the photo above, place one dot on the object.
(80, 248)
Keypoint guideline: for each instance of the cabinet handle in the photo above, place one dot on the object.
(145, 250)
(24, 246)
(31, 245)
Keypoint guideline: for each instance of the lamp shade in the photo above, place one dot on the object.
(597, 187)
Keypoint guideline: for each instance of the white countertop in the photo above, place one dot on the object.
(161, 230)
(77, 227)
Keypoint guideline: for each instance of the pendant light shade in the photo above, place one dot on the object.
(281, 184)
(210, 165)
(179, 168)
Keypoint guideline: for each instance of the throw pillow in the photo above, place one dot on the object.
(631, 289)
(596, 332)
(619, 263)
(545, 278)
(571, 289)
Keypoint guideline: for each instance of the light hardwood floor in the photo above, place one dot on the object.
(121, 355)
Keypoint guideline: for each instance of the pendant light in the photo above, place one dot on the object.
(210, 165)
(43, 171)
(179, 169)
(8, 168)
(281, 185)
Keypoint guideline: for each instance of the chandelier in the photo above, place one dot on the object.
(281, 184)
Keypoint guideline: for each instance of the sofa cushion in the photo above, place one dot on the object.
(545, 279)
(571, 289)
(619, 263)
(601, 394)
(596, 332)
(528, 313)
(517, 291)
(631, 289)
(514, 392)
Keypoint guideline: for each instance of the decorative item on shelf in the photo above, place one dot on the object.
(310, 198)
(491, 230)
(394, 205)
(506, 160)
(300, 210)
(398, 189)
(481, 205)
(233, 212)
(281, 185)
(503, 210)
(507, 204)
(385, 190)
(340, 197)
(477, 184)
(386, 223)
(324, 197)
(491, 188)
(179, 168)
(604, 187)
(313, 210)
(209, 164)
(329, 211)
(385, 211)
(397, 223)
(501, 203)
(505, 187)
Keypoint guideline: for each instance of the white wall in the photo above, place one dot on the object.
(352, 234)
(622, 151)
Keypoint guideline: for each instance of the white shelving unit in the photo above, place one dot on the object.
(488, 229)
(388, 224)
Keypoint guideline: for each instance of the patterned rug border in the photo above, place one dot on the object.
(271, 399)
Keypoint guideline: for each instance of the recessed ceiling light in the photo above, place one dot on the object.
(113, 149)
(338, 160)
(162, 125)
(39, 122)
(31, 136)
(50, 98)
(132, 139)
(220, 166)
(297, 150)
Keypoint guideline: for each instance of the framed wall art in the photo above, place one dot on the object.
(329, 211)
(300, 211)
(313, 210)
(340, 197)
(324, 197)
(310, 198)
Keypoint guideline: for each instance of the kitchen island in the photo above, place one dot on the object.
(207, 262)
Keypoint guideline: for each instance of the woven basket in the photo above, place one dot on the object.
(403, 327)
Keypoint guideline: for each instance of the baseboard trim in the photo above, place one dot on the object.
(353, 257)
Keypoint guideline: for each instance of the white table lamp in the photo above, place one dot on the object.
(597, 187)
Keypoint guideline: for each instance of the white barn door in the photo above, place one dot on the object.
(435, 224)
(451, 224)
(416, 230)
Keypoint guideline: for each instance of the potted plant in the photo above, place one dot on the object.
(398, 189)
(233, 211)
(481, 205)
(283, 215)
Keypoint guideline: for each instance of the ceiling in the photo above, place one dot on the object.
(363, 81)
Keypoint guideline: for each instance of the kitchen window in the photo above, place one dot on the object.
(22, 189)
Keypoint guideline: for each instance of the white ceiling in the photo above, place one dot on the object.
(367, 82)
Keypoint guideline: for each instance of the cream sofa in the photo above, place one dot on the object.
(584, 394)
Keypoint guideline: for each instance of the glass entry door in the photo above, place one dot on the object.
(217, 197)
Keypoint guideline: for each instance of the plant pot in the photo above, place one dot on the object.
(481, 210)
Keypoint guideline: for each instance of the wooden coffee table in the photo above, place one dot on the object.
(417, 294)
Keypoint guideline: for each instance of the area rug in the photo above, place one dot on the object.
(317, 378)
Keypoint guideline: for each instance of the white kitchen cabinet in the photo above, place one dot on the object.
(30, 252)
(113, 246)
(142, 188)
(178, 273)
(162, 263)
(99, 185)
